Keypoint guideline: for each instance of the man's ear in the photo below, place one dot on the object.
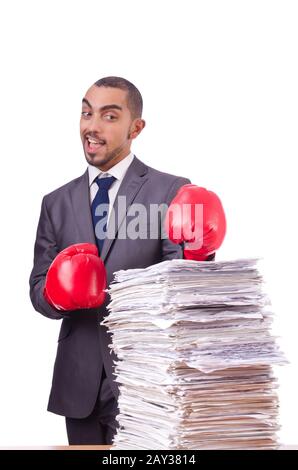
(137, 127)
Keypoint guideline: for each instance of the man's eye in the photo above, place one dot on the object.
(86, 114)
(110, 117)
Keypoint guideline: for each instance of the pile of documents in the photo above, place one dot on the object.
(195, 356)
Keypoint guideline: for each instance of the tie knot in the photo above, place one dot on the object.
(105, 183)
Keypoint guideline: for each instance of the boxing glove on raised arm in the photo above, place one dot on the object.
(196, 218)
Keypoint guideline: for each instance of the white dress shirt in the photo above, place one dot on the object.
(118, 171)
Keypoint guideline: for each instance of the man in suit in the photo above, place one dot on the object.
(83, 389)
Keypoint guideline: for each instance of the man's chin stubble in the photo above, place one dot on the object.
(93, 160)
(107, 159)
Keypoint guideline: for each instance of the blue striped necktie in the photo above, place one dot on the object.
(100, 209)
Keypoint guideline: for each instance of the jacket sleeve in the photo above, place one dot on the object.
(45, 250)
(172, 250)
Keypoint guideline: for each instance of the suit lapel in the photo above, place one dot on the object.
(80, 199)
(130, 186)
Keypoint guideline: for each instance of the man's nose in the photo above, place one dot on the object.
(94, 124)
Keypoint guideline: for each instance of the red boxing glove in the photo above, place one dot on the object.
(196, 217)
(76, 278)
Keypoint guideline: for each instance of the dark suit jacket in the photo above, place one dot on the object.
(65, 219)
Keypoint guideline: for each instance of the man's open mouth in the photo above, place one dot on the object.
(92, 144)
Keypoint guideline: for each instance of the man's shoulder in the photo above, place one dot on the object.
(62, 190)
(165, 178)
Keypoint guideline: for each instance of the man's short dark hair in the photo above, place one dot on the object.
(134, 97)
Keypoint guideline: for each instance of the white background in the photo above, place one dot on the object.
(219, 83)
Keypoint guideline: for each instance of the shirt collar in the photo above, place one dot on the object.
(118, 170)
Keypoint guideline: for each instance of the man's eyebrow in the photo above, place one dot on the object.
(103, 108)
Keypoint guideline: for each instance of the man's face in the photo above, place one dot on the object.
(107, 127)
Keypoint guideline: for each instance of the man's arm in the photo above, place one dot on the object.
(45, 250)
(171, 250)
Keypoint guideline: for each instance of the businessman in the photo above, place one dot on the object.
(83, 387)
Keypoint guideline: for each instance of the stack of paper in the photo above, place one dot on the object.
(195, 356)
